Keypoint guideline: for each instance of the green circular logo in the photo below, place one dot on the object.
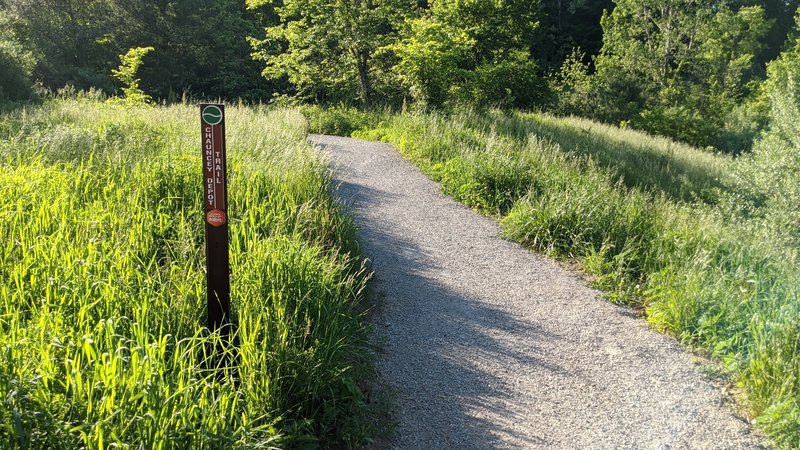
(212, 115)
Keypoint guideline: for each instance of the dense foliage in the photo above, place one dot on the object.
(200, 46)
(471, 53)
(768, 184)
(327, 50)
(688, 69)
(675, 67)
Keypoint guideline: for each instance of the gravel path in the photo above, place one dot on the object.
(487, 345)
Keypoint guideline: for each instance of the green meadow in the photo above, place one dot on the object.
(102, 306)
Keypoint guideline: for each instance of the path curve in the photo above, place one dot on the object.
(487, 345)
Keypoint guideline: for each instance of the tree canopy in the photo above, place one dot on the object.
(690, 69)
(201, 45)
(327, 49)
(471, 52)
(676, 67)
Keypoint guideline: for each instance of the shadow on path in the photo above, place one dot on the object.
(435, 323)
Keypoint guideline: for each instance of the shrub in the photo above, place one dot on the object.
(127, 74)
(338, 120)
(681, 123)
(15, 84)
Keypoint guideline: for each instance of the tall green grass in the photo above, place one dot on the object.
(656, 222)
(650, 163)
(102, 298)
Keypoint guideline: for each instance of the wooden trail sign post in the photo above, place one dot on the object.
(212, 120)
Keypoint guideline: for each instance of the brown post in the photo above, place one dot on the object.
(216, 215)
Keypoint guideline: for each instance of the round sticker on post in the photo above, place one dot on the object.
(212, 115)
(215, 218)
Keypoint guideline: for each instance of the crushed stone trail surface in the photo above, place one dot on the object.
(488, 345)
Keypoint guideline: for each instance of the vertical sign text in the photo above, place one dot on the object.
(216, 214)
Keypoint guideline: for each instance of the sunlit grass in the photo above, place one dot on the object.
(651, 163)
(102, 299)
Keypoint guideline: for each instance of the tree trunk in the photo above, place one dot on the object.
(362, 64)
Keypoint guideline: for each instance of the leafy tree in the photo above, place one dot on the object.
(127, 73)
(772, 171)
(63, 35)
(676, 67)
(654, 41)
(327, 49)
(16, 64)
(431, 57)
(728, 63)
(566, 25)
(202, 46)
(472, 52)
(781, 14)
(728, 46)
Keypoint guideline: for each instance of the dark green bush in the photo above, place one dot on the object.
(509, 83)
(679, 122)
(15, 84)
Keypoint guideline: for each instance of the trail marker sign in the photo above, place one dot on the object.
(212, 122)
